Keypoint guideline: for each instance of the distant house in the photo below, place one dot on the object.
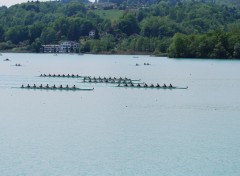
(64, 47)
(92, 33)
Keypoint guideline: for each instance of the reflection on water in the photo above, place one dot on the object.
(119, 131)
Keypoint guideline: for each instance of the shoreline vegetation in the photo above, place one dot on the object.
(175, 29)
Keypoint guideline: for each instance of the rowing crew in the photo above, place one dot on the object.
(104, 78)
(63, 75)
(144, 85)
(47, 86)
(106, 81)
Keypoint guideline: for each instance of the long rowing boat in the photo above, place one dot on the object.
(56, 88)
(150, 87)
(87, 77)
(60, 76)
(107, 82)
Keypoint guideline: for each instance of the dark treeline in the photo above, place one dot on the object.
(183, 29)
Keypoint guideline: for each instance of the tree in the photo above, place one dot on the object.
(128, 24)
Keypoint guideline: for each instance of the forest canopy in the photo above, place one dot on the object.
(180, 28)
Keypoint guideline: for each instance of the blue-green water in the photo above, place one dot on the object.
(120, 131)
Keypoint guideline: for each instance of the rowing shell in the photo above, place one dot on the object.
(57, 88)
(109, 82)
(161, 87)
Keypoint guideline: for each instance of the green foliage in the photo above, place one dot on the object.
(217, 44)
(183, 28)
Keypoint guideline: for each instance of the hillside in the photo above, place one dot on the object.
(152, 29)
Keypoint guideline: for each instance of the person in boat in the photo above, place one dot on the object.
(126, 85)
(151, 85)
(34, 86)
(89, 80)
(54, 86)
(138, 85)
(28, 86)
(145, 85)
(106, 81)
(41, 75)
(73, 75)
(47, 86)
(61, 86)
(44, 75)
(49, 75)
(54, 75)
(67, 86)
(170, 85)
(164, 85)
(59, 75)
(74, 87)
(22, 86)
(77, 75)
(157, 85)
(41, 86)
(68, 75)
(132, 85)
(119, 84)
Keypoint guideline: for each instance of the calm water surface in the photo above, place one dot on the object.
(120, 131)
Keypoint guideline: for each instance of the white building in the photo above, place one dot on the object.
(92, 34)
(64, 47)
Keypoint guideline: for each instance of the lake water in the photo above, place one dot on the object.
(120, 131)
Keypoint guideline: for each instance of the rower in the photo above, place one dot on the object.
(47, 86)
(49, 75)
(164, 85)
(132, 84)
(54, 86)
(126, 85)
(22, 86)
(59, 75)
(145, 85)
(44, 75)
(41, 75)
(67, 86)
(138, 85)
(34, 85)
(61, 86)
(170, 85)
(73, 75)
(151, 85)
(74, 87)
(77, 75)
(157, 85)
(63, 75)
(28, 86)
(68, 75)
(54, 75)
(119, 85)
(40, 86)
